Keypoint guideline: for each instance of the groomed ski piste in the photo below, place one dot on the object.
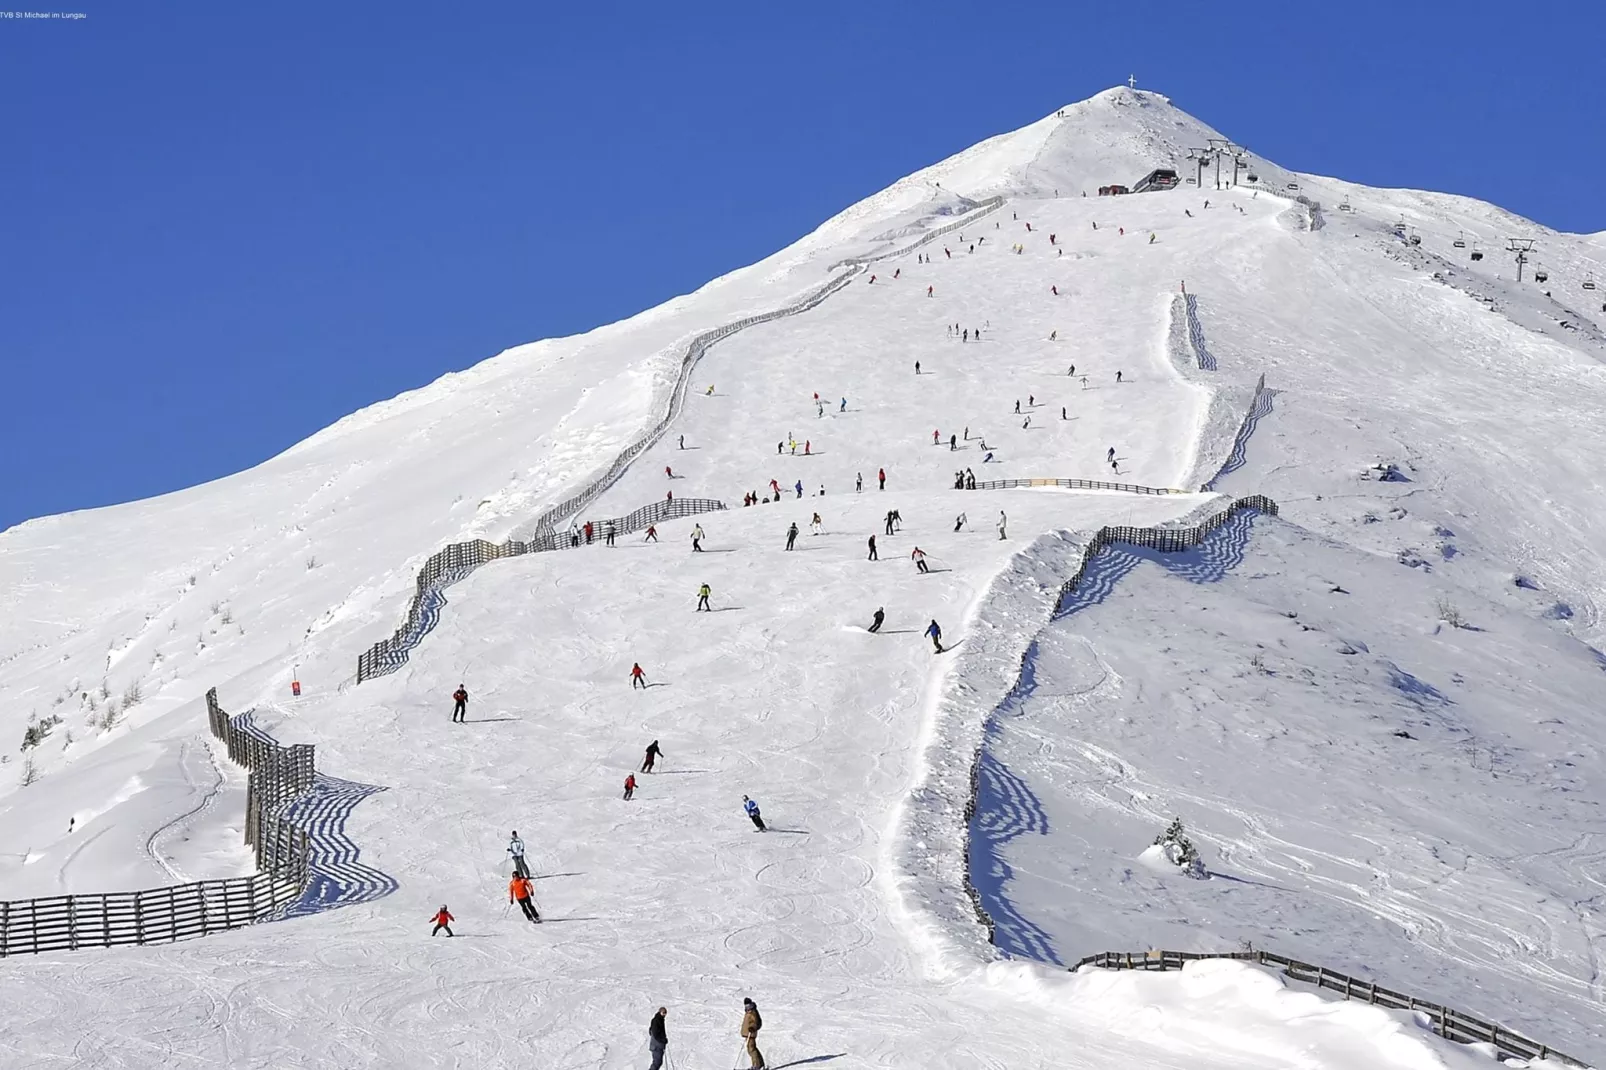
(1256, 687)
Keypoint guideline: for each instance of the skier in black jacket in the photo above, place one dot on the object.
(657, 1038)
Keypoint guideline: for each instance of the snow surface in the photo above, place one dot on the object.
(848, 922)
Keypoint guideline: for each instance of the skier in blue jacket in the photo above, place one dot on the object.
(935, 631)
(752, 811)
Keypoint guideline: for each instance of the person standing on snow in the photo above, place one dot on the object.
(919, 557)
(460, 705)
(880, 615)
(858, 483)
(934, 631)
(791, 535)
(702, 598)
(881, 476)
(872, 556)
(443, 920)
(611, 533)
(657, 1038)
(515, 850)
(653, 754)
(889, 522)
(652, 533)
(630, 786)
(518, 891)
(1118, 377)
(697, 539)
(844, 407)
(799, 488)
(1003, 525)
(752, 812)
(637, 677)
(751, 1024)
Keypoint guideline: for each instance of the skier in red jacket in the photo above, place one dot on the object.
(637, 677)
(443, 920)
(460, 704)
(630, 786)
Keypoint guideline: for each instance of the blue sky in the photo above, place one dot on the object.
(224, 226)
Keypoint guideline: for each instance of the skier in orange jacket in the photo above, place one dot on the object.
(518, 891)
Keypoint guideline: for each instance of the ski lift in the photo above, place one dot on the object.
(1541, 276)
(1589, 284)
(1460, 242)
(1253, 177)
(1477, 254)
(1293, 185)
(1345, 206)
(1416, 239)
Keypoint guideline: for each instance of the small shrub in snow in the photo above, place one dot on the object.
(1179, 850)
(1449, 613)
(36, 731)
(312, 563)
(132, 694)
(30, 773)
(228, 616)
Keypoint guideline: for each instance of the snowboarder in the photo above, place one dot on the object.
(697, 539)
(934, 631)
(515, 850)
(702, 598)
(791, 535)
(630, 786)
(919, 558)
(872, 556)
(652, 533)
(460, 705)
(751, 1024)
(518, 891)
(654, 752)
(1003, 522)
(881, 476)
(637, 677)
(443, 920)
(657, 1038)
(752, 812)
(880, 615)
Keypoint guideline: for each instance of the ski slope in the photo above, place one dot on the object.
(847, 922)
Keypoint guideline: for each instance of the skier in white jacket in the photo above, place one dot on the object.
(1002, 525)
(515, 850)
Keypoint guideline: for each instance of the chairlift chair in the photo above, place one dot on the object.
(1460, 243)
(1477, 254)
(1253, 177)
(1541, 276)
(1589, 284)
(1293, 185)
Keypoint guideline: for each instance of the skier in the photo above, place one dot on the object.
(682, 441)
(515, 849)
(630, 786)
(752, 811)
(1109, 454)
(1031, 401)
(872, 556)
(1017, 406)
(611, 532)
(889, 522)
(751, 1024)
(668, 472)
(1071, 370)
(1062, 412)
(443, 920)
(1118, 377)
(1056, 290)
(880, 615)
(934, 630)
(934, 437)
(1003, 523)
(588, 532)
(970, 479)
(652, 533)
(653, 754)
(1026, 423)
(858, 483)
(702, 598)
(1151, 239)
(928, 291)
(518, 891)
(697, 539)
(817, 526)
(959, 521)
(881, 476)
(1053, 336)
(637, 677)
(919, 558)
(791, 535)
(806, 444)
(844, 407)
(460, 705)
(657, 1038)
(953, 443)
(917, 367)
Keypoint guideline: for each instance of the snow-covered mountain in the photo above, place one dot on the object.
(1386, 350)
